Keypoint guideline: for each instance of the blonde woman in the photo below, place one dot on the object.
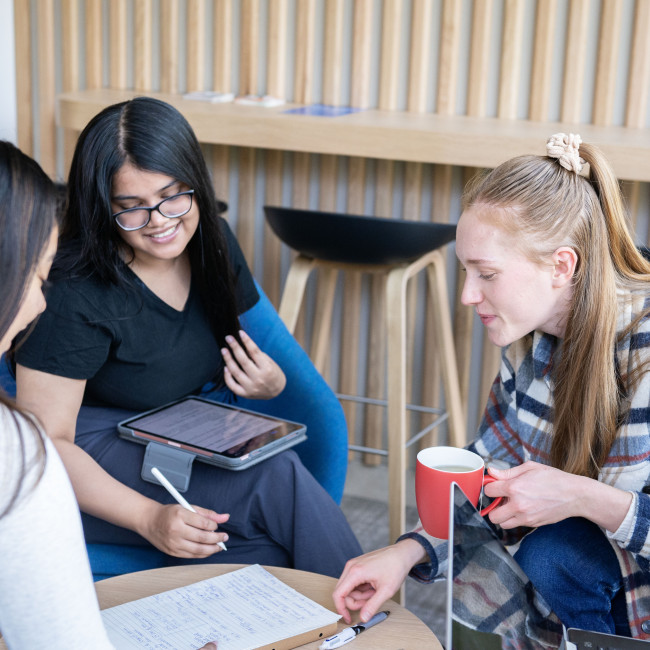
(556, 279)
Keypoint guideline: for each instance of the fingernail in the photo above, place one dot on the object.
(230, 339)
(364, 617)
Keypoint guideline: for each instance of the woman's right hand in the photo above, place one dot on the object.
(181, 532)
(56, 401)
(370, 580)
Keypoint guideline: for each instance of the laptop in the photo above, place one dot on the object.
(491, 603)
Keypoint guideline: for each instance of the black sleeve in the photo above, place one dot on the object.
(67, 340)
(245, 291)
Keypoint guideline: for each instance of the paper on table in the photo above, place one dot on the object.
(242, 610)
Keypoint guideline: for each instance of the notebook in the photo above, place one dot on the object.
(491, 603)
(245, 609)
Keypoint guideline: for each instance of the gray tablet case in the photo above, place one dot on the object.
(193, 427)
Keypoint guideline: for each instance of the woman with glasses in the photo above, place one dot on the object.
(147, 290)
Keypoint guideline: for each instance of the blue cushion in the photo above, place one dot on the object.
(7, 381)
(108, 560)
(307, 398)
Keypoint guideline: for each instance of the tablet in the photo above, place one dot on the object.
(215, 433)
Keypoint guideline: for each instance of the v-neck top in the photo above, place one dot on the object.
(134, 350)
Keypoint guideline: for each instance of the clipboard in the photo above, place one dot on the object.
(318, 634)
(243, 609)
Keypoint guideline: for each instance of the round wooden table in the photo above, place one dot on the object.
(402, 631)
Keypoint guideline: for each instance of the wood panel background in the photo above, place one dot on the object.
(544, 60)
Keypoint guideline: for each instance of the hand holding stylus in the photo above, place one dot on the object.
(177, 495)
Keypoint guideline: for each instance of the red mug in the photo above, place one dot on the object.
(435, 470)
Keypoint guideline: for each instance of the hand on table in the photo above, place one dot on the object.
(370, 580)
(250, 372)
(182, 533)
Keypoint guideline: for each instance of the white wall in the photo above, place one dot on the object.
(8, 128)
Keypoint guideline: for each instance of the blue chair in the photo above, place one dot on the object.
(7, 381)
(307, 398)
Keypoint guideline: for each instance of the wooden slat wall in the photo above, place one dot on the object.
(442, 179)
(638, 89)
(46, 91)
(70, 57)
(416, 55)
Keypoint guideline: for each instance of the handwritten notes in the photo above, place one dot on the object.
(242, 610)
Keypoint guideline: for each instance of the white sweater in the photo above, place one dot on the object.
(47, 598)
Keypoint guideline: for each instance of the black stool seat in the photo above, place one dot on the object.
(355, 239)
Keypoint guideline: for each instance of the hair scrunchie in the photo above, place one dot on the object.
(565, 149)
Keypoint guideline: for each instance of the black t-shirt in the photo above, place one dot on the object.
(135, 351)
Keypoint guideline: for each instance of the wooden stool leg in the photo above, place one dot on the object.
(396, 343)
(445, 343)
(323, 318)
(294, 290)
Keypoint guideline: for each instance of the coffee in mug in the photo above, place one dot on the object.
(436, 469)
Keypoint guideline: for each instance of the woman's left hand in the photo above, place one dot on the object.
(535, 495)
(250, 372)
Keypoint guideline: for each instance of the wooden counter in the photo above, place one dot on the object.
(391, 135)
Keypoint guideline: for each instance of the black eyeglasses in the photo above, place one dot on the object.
(171, 207)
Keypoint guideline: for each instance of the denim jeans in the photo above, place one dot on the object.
(573, 566)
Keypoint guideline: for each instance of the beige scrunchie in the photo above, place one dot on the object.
(565, 148)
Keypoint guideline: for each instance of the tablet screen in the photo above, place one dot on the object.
(211, 427)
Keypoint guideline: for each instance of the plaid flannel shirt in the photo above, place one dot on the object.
(517, 426)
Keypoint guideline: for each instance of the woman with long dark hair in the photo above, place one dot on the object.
(47, 599)
(144, 308)
(43, 565)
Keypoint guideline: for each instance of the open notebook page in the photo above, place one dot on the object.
(242, 610)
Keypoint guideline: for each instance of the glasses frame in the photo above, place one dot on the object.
(115, 215)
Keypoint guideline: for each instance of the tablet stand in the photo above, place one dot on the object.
(175, 464)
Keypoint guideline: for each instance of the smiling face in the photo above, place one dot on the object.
(33, 302)
(512, 294)
(162, 239)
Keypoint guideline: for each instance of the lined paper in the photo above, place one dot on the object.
(242, 610)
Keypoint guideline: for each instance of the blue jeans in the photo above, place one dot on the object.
(574, 567)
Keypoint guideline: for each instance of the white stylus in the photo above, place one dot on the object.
(177, 495)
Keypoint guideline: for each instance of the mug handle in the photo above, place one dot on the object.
(489, 479)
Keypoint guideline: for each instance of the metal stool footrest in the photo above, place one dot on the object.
(413, 439)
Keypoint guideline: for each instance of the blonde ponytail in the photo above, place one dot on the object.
(558, 206)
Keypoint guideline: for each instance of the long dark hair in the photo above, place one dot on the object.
(153, 136)
(28, 211)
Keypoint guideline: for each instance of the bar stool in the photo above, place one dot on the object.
(336, 242)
